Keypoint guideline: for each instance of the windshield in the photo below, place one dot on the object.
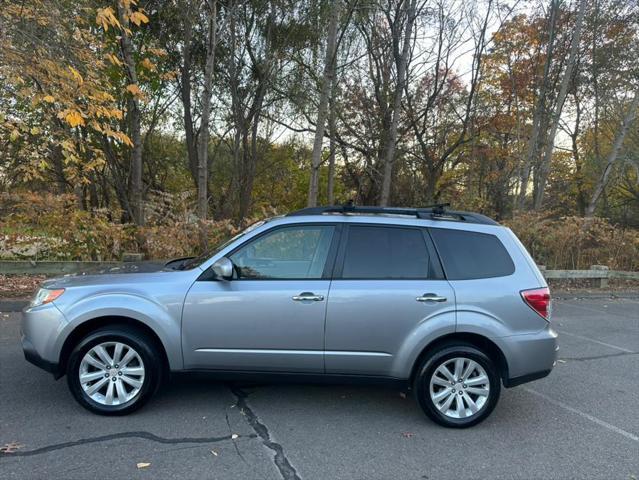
(200, 259)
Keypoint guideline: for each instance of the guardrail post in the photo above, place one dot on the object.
(603, 281)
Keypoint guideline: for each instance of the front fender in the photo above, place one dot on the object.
(163, 320)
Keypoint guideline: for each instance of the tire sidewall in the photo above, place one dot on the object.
(128, 337)
(428, 367)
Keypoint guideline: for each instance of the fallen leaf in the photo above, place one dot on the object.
(402, 394)
(561, 361)
(214, 453)
(234, 436)
(11, 447)
(143, 465)
(408, 434)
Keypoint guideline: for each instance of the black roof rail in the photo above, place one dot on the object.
(429, 212)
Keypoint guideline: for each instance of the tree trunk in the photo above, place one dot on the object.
(540, 107)
(185, 92)
(332, 144)
(325, 89)
(554, 121)
(207, 93)
(134, 116)
(630, 116)
(401, 61)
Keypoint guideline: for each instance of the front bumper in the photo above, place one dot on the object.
(40, 335)
(32, 356)
(530, 356)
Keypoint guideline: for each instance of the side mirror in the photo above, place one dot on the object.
(223, 268)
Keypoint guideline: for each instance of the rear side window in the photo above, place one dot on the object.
(385, 253)
(468, 255)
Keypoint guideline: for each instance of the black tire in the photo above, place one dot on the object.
(152, 362)
(438, 357)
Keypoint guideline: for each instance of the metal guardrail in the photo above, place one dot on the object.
(600, 274)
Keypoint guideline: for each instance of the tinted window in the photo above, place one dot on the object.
(467, 255)
(380, 252)
(292, 252)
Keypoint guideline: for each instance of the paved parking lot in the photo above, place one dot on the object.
(581, 422)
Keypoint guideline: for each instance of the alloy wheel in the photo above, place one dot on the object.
(459, 387)
(111, 373)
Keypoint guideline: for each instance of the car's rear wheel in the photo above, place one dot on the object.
(114, 370)
(457, 386)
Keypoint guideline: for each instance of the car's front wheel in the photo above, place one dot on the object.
(114, 370)
(457, 386)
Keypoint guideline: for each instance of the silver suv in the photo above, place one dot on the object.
(447, 304)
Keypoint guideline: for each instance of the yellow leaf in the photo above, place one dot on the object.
(74, 118)
(76, 75)
(134, 90)
(106, 17)
(158, 52)
(116, 113)
(113, 59)
(15, 134)
(48, 99)
(138, 18)
(35, 130)
(148, 64)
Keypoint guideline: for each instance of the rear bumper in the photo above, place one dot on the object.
(529, 357)
(513, 382)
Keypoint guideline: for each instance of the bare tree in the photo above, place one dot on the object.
(401, 44)
(539, 113)
(326, 83)
(567, 78)
(627, 121)
(207, 92)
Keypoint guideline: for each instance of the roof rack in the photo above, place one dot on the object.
(430, 212)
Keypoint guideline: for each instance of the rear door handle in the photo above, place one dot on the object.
(308, 296)
(431, 297)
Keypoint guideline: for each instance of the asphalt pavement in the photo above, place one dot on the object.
(580, 422)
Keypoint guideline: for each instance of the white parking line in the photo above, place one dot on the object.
(609, 345)
(587, 416)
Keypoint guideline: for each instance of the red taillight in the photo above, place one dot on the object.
(539, 300)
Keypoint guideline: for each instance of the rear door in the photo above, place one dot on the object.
(387, 281)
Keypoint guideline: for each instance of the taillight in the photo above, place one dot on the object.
(539, 300)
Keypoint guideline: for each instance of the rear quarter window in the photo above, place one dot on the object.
(471, 255)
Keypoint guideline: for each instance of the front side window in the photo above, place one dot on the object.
(385, 253)
(471, 255)
(298, 252)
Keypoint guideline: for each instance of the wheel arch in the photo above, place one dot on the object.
(481, 342)
(88, 326)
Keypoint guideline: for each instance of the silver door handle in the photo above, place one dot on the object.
(308, 296)
(431, 297)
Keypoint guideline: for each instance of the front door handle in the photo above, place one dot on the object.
(431, 297)
(304, 296)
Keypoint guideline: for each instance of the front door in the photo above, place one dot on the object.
(270, 316)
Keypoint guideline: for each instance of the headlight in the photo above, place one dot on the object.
(45, 295)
